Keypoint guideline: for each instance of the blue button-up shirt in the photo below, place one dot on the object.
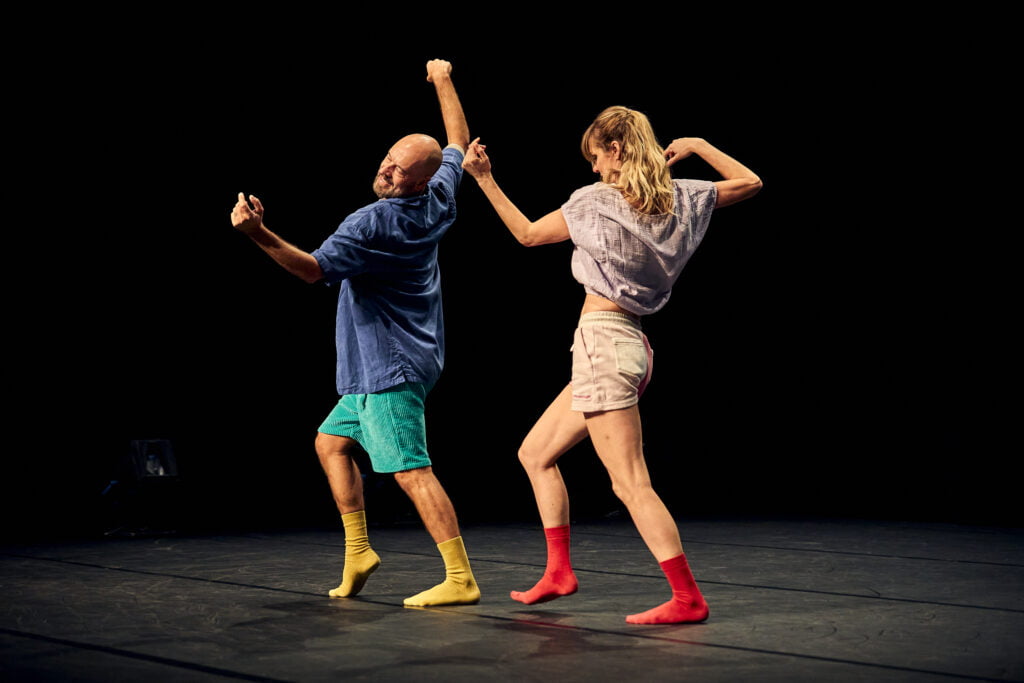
(390, 325)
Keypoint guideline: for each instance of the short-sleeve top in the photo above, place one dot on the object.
(631, 258)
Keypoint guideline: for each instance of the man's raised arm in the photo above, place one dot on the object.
(439, 72)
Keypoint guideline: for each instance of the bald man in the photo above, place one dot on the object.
(390, 339)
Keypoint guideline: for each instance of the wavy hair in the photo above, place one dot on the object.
(644, 178)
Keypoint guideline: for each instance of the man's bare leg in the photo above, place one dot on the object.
(438, 516)
(346, 483)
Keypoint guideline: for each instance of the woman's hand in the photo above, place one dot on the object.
(476, 163)
(680, 148)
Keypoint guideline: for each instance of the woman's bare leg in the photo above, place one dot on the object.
(618, 441)
(557, 430)
(616, 435)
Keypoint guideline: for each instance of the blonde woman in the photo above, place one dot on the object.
(633, 232)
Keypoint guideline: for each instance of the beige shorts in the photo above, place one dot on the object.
(611, 362)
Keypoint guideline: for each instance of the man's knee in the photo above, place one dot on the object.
(414, 478)
(330, 445)
(415, 474)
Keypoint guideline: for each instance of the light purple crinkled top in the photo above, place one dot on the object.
(631, 258)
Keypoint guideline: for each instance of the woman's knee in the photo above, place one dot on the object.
(634, 491)
(533, 458)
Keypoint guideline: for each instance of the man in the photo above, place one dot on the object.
(390, 339)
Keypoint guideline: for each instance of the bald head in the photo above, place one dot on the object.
(409, 164)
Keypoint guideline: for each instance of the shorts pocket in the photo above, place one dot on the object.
(630, 356)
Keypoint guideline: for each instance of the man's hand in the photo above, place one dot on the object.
(247, 219)
(437, 69)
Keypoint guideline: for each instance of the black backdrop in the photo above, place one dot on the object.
(821, 353)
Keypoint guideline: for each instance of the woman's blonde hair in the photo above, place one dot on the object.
(644, 179)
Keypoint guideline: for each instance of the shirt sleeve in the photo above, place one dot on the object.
(449, 175)
(578, 209)
(698, 198)
(345, 253)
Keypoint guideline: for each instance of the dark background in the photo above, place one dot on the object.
(829, 350)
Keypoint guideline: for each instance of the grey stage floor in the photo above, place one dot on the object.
(791, 600)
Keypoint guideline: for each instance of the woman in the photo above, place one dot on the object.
(633, 232)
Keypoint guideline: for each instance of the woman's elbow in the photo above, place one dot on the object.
(548, 230)
(751, 187)
(538, 239)
(528, 236)
(738, 189)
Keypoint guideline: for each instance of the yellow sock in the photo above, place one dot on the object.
(360, 560)
(459, 587)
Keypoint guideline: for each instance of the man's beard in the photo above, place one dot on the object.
(384, 192)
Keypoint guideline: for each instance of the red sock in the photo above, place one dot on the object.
(687, 604)
(558, 579)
